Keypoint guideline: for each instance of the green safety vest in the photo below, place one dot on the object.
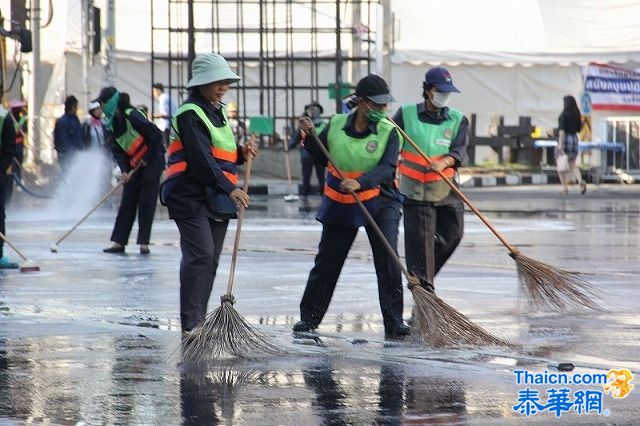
(354, 154)
(417, 182)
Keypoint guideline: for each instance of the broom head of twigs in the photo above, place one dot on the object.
(225, 334)
(548, 287)
(439, 325)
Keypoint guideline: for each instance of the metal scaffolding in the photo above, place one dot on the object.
(287, 52)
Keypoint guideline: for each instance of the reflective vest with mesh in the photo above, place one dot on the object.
(354, 157)
(132, 142)
(416, 181)
(223, 149)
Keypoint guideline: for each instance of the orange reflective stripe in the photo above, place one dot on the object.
(341, 198)
(178, 167)
(425, 177)
(224, 155)
(347, 175)
(175, 146)
(232, 178)
(138, 156)
(135, 146)
(419, 159)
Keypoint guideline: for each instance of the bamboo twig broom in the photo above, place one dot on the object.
(544, 286)
(437, 323)
(225, 333)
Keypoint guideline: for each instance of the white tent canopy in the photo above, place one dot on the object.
(508, 57)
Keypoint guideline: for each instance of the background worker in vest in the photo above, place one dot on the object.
(365, 147)
(7, 152)
(433, 215)
(314, 110)
(135, 141)
(200, 186)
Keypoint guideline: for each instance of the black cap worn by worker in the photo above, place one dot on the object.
(374, 88)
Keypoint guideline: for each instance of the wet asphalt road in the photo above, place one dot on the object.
(92, 338)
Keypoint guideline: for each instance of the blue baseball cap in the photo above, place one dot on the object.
(441, 79)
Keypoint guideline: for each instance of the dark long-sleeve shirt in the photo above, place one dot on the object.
(150, 133)
(203, 184)
(7, 144)
(383, 174)
(67, 134)
(458, 148)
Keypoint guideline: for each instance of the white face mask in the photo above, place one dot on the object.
(440, 99)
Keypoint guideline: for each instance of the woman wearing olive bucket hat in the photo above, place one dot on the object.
(200, 184)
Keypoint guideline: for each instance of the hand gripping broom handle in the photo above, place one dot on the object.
(455, 189)
(366, 213)
(236, 242)
(107, 195)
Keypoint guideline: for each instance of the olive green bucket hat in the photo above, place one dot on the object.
(208, 68)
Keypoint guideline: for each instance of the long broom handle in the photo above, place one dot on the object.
(106, 196)
(366, 213)
(457, 191)
(287, 162)
(236, 242)
(13, 247)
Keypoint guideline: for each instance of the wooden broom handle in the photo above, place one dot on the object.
(366, 213)
(236, 242)
(457, 191)
(102, 200)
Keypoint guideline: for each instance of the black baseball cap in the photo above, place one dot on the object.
(441, 79)
(105, 94)
(374, 88)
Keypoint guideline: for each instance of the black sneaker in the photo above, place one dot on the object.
(302, 326)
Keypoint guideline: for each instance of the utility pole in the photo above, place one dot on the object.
(34, 97)
(384, 40)
(110, 38)
(85, 33)
(356, 41)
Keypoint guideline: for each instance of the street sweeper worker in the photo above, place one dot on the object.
(7, 152)
(433, 215)
(314, 110)
(200, 185)
(135, 142)
(364, 146)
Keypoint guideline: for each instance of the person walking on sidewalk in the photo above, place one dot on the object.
(569, 125)
(433, 215)
(135, 142)
(200, 183)
(364, 146)
(314, 110)
(7, 153)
